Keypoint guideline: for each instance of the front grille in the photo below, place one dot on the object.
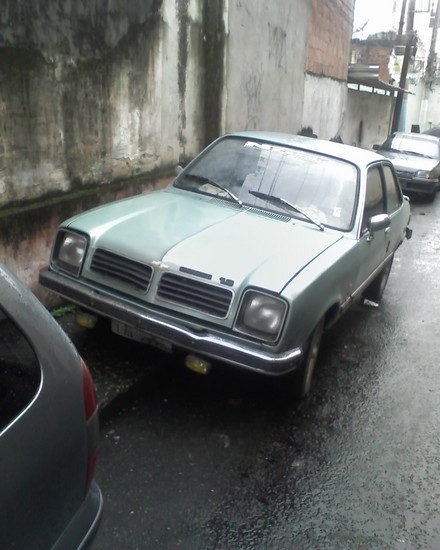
(198, 295)
(121, 269)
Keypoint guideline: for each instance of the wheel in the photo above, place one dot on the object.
(297, 384)
(376, 289)
(431, 196)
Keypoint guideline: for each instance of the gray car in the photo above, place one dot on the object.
(416, 159)
(261, 243)
(435, 131)
(48, 429)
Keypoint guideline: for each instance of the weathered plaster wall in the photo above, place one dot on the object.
(325, 107)
(368, 118)
(95, 91)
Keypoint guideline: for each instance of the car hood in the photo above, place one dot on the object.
(207, 238)
(408, 162)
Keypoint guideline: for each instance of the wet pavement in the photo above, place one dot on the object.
(219, 462)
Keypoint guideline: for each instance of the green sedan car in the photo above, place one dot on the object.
(261, 243)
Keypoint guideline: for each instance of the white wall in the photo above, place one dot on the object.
(368, 118)
(325, 105)
(423, 107)
(265, 65)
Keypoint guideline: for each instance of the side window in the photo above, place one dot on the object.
(374, 197)
(20, 372)
(392, 189)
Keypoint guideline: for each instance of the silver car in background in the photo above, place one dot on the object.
(48, 429)
(416, 159)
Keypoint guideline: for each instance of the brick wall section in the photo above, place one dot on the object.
(329, 47)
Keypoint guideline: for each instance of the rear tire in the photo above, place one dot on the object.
(376, 289)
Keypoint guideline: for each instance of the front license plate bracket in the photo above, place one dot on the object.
(133, 333)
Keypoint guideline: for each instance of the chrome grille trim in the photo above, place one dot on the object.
(122, 269)
(211, 299)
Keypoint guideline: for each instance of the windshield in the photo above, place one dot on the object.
(324, 188)
(407, 144)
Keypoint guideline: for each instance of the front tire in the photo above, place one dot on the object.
(297, 384)
(431, 196)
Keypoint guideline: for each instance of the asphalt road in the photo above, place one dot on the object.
(218, 462)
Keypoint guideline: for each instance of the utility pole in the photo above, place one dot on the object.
(402, 18)
(407, 55)
(431, 64)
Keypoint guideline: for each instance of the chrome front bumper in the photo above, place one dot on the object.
(198, 342)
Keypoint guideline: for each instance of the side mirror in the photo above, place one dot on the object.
(178, 169)
(376, 147)
(376, 223)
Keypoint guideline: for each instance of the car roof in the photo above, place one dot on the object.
(356, 155)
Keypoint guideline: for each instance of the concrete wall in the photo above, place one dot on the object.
(266, 52)
(291, 73)
(101, 98)
(368, 118)
(325, 107)
(422, 107)
(95, 91)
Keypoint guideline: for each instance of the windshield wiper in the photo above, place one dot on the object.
(282, 202)
(415, 153)
(204, 179)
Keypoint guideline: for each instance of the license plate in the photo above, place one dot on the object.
(140, 336)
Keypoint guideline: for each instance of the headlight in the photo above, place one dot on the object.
(69, 251)
(261, 315)
(430, 175)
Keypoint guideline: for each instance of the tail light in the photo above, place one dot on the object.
(91, 412)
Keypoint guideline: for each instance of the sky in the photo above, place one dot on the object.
(378, 13)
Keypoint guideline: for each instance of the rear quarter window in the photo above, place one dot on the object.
(20, 373)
